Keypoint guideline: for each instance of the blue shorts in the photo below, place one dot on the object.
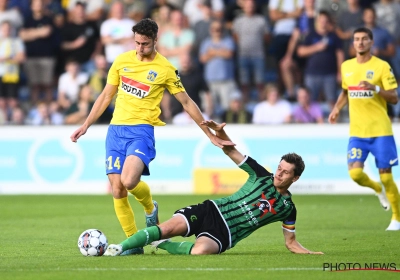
(126, 140)
(383, 148)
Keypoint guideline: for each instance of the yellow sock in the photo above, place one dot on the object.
(392, 193)
(125, 215)
(361, 178)
(143, 195)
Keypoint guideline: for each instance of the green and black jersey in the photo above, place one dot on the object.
(257, 203)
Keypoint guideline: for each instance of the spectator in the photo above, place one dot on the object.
(12, 16)
(291, 65)
(192, 10)
(97, 82)
(193, 81)
(201, 29)
(80, 39)
(69, 84)
(234, 9)
(41, 51)
(348, 21)
(323, 50)
(306, 111)
(251, 32)
(236, 113)
(17, 116)
(216, 53)
(176, 41)
(154, 10)
(94, 9)
(98, 79)
(45, 114)
(388, 17)
(273, 110)
(116, 33)
(383, 47)
(283, 14)
(79, 110)
(3, 111)
(162, 17)
(12, 53)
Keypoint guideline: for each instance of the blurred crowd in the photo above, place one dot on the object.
(241, 61)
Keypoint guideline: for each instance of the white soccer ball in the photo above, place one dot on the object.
(92, 242)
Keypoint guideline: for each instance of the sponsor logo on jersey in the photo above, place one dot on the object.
(152, 75)
(370, 74)
(135, 88)
(359, 92)
(265, 205)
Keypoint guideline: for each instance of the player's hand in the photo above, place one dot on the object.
(213, 125)
(221, 143)
(333, 116)
(78, 133)
(315, 253)
(366, 85)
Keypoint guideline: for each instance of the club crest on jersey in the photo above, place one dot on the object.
(359, 92)
(265, 205)
(152, 75)
(135, 88)
(370, 74)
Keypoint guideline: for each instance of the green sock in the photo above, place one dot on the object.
(142, 238)
(177, 248)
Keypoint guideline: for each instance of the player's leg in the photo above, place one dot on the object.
(130, 178)
(176, 226)
(385, 153)
(357, 152)
(115, 160)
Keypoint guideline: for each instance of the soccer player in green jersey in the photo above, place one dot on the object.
(221, 223)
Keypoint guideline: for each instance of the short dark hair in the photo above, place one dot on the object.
(325, 13)
(364, 30)
(146, 27)
(298, 162)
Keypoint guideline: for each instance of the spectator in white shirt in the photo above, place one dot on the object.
(273, 110)
(69, 84)
(116, 32)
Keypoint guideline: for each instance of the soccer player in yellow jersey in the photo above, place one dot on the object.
(140, 77)
(368, 84)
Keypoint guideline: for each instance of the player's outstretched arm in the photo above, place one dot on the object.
(294, 246)
(230, 151)
(99, 107)
(340, 103)
(191, 108)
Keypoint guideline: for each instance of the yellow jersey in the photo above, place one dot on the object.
(367, 109)
(140, 88)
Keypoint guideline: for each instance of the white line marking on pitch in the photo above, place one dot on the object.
(169, 269)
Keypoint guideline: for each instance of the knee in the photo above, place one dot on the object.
(356, 174)
(129, 183)
(201, 250)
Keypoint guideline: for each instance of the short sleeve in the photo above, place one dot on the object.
(388, 79)
(289, 223)
(113, 75)
(173, 81)
(253, 168)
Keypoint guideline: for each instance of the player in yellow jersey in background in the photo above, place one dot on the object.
(368, 84)
(140, 77)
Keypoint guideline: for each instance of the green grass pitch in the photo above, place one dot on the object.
(39, 241)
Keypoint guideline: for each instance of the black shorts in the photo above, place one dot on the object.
(204, 219)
